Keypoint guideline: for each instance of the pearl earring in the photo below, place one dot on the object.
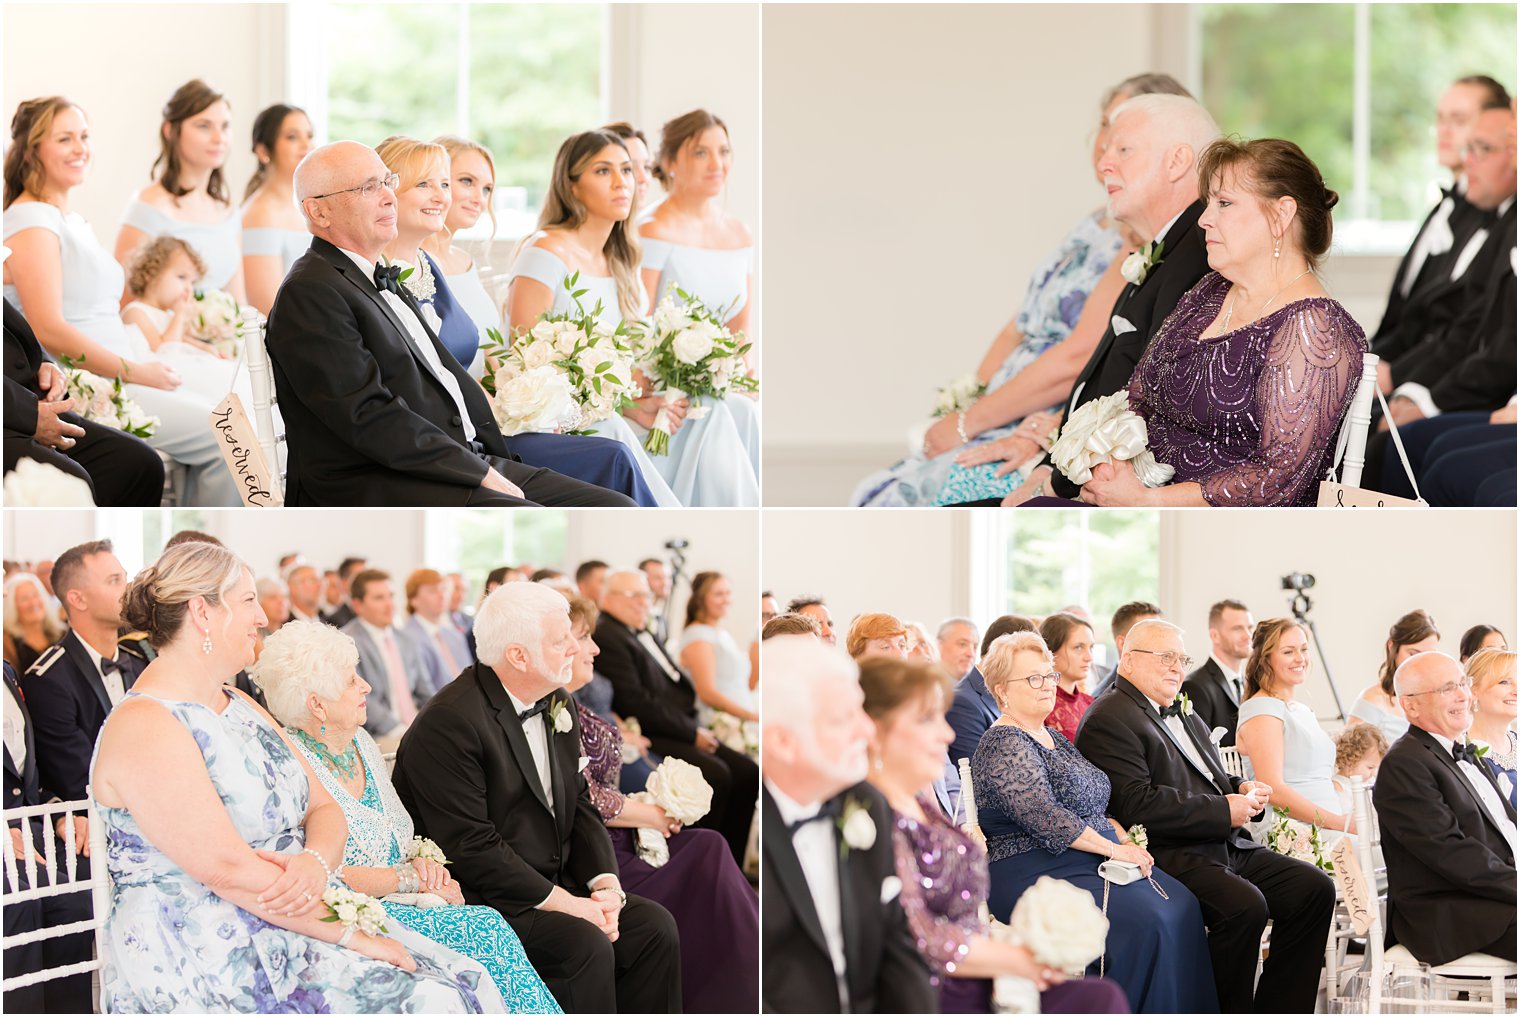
(206, 645)
(1277, 248)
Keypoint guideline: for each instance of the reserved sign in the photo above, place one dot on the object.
(258, 483)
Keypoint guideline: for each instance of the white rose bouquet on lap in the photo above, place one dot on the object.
(739, 735)
(1297, 839)
(686, 351)
(101, 400)
(1106, 430)
(220, 322)
(595, 364)
(36, 484)
(679, 789)
(1060, 925)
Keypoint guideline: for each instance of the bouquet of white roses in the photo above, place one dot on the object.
(1102, 431)
(36, 484)
(220, 322)
(1297, 839)
(594, 362)
(355, 910)
(686, 350)
(739, 735)
(101, 400)
(679, 789)
(958, 395)
(1060, 924)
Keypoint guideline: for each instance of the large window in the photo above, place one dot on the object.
(1356, 86)
(518, 78)
(475, 541)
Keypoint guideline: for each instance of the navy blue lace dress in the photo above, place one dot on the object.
(1032, 802)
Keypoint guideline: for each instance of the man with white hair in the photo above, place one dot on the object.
(835, 937)
(1166, 775)
(376, 411)
(1150, 169)
(1448, 831)
(490, 771)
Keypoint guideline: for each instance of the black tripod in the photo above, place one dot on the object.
(1301, 605)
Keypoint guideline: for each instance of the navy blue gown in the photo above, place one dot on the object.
(598, 461)
(1032, 802)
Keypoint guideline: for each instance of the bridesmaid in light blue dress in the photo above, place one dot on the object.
(274, 234)
(719, 669)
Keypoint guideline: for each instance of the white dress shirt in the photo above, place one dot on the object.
(15, 730)
(115, 688)
(421, 342)
(1483, 789)
(818, 855)
(1179, 731)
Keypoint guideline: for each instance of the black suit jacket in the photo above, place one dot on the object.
(68, 703)
(465, 773)
(1451, 873)
(1213, 698)
(22, 783)
(1112, 364)
(640, 686)
(366, 420)
(883, 969)
(24, 357)
(1407, 317)
(1154, 784)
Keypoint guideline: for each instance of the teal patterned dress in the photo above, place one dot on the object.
(379, 831)
(1057, 292)
(170, 944)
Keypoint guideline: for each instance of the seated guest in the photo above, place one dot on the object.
(307, 672)
(658, 574)
(1493, 699)
(430, 627)
(1167, 777)
(340, 612)
(1480, 637)
(1125, 618)
(973, 708)
(1281, 737)
(1244, 388)
(1414, 633)
(1070, 641)
(836, 938)
(72, 993)
(815, 608)
(943, 871)
(490, 772)
(919, 645)
(1359, 751)
(274, 600)
(791, 625)
(304, 584)
(958, 638)
(402, 675)
(1448, 832)
(31, 623)
(1043, 809)
(274, 235)
(374, 410)
(876, 635)
(591, 579)
(701, 886)
(649, 687)
(719, 670)
(40, 424)
(205, 806)
(1214, 688)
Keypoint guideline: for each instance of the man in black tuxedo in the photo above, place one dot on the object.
(649, 685)
(835, 939)
(23, 787)
(489, 770)
(1448, 831)
(1216, 686)
(120, 469)
(376, 411)
(1166, 776)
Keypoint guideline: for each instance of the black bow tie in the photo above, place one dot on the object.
(1172, 710)
(539, 707)
(108, 664)
(1467, 751)
(388, 277)
(831, 809)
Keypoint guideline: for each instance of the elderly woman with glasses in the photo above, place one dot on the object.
(1043, 809)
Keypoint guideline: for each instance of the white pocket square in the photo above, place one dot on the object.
(1217, 735)
(1121, 326)
(582, 763)
(890, 888)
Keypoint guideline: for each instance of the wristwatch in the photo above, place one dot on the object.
(614, 888)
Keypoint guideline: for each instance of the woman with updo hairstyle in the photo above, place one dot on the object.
(189, 198)
(69, 288)
(1044, 811)
(274, 233)
(1480, 637)
(31, 624)
(1378, 704)
(719, 669)
(220, 840)
(1070, 641)
(309, 675)
(1281, 736)
(1492, 673)
(877, 635)
(585, 230)
(1244, 387)
(943, 870)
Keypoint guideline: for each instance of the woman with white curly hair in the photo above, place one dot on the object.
(308, 672)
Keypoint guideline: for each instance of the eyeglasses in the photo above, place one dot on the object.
(1445, 690)
(1039, 681)
(635, 594)
(368, 188)
(1480, 150)
(1170, 659)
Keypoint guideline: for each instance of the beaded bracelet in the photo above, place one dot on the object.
(407, 880)
(960, 427)
(320, 861)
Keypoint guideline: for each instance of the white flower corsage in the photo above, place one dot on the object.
(1139, 264)
(958, 394)
(559, 716)
(422, 847)
(857, 830)
(355, 910)
(1138, 836)
(1106, 430)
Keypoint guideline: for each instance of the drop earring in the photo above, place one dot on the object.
(206, 644)
(1277, 248)
(322, 730)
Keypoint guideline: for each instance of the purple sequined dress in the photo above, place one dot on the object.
(715, 908)
(1251, 415)
(944, 881)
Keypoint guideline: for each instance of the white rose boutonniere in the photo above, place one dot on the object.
(559, 716)
(1139, 264)
(857, 830)
(1187, 704)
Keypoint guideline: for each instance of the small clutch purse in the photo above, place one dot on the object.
(1119, 873)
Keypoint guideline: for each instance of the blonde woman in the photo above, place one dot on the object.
(584, 230)
(472, 183)
(1492, 672)
(30, 624)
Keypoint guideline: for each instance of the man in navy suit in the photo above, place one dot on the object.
(23, 787)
